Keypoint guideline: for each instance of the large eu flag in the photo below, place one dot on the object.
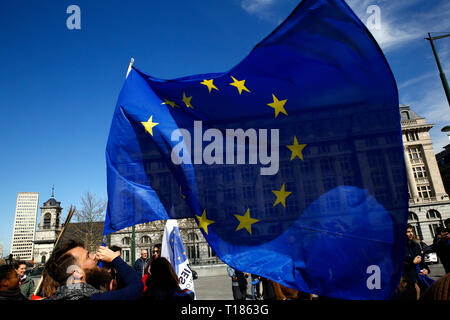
(291, 162)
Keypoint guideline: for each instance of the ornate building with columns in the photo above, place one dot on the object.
(429, 204)
(147, 235)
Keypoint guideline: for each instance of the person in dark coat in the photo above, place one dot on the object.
(413, 259)
(9, 284)
(141, 263)
(441, 245)
(238, 283)
(268, 290)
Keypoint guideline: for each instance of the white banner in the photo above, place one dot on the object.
(173, 250)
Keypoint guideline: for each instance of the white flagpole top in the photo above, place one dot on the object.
(129, 66)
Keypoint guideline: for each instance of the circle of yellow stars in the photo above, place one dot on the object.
(245, 220)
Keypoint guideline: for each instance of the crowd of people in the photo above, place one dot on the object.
(261, 288)
(72, 273)
(415, 284)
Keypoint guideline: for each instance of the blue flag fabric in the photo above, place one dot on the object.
(173, 249)
(179, 254)
(291, 162)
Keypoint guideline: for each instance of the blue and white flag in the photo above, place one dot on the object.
(174, 251)
(291, 162)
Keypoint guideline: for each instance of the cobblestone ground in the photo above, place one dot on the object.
(436, 271)
(213, 288)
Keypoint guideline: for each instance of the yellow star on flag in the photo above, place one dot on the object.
(170, 103)
(245, 221)
(240, 85)
(209, 84)
(187, 101)
(281, 196)
(278, 105)
(184, 197)
(203, 222)
(296, 149)
(149, 125)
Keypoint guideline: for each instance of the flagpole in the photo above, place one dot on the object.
(130, 66)
(438, 62)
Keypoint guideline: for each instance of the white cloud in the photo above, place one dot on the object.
(257, 7)
(402, 22)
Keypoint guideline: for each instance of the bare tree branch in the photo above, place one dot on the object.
(90, 215)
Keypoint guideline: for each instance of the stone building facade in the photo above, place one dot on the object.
(48, 230)
(150, 234)
(429, 204)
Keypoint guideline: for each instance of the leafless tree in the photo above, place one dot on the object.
(89, 221)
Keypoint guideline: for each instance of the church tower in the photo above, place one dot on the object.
(48, 229)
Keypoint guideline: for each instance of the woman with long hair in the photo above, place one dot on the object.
(163, 285)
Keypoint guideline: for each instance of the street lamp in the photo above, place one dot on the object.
(441, 72)
(446, 129)
(9, 260)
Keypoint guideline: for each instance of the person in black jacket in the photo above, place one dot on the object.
(238, 283)
(413, 259)
(441, 245)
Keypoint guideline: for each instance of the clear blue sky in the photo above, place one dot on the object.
(58, 87)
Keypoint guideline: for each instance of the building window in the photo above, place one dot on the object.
(146, 240)
(329, 183)
(126, 255)
(47, 220)
(193, 248)
(412, 136)
(230, 194)
(414, 153)
(126, 241)
(414, 221)
(211, 252)
(228, 176)
(249, 193)
(405, 115)
(419, 172)
(433, 214)
(326, 165)
(425, 192)
(433, 227)
(412, 217)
